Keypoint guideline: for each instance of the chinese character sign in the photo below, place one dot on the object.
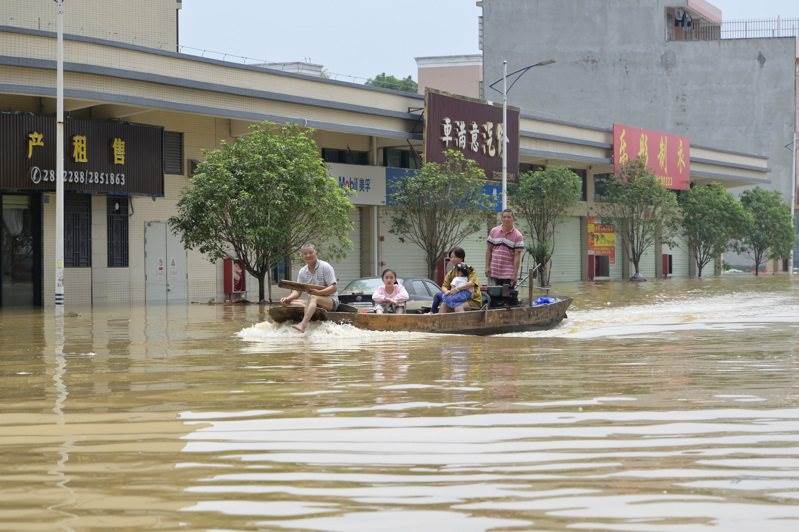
(99, 157)
(601, 239)
(667, 156)
(472, 127)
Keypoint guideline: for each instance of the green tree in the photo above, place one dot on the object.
(260, 198)
(712, 220)
(641, 209)
(542, 199)
(769, 233)
(440, 205)
(388, 81)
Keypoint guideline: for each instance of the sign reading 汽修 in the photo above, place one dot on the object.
(472, 127)
(99, 157)
(601, 239)
(666, 156)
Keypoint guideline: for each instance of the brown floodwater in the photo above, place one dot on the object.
(663, 406)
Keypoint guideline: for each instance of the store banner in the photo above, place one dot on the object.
(367, 183)
(601, 239)
(473, 127)
(667, 156)
(394, 177)
(99, 157)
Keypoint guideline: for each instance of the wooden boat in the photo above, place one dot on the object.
(478, 322)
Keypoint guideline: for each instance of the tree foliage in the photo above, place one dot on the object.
(713, 219)
(260, 198)
(388, 81)
(542, 198)
(641, 209)
(440, 205)
(769, 233)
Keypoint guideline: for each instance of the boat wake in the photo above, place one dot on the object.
(321, 336)
(730, 312)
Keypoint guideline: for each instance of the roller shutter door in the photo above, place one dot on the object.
(407, 259)
(348, 267)
(647, 264)
(616, 269)
(475, 247)
(680, 260)
(566, 261)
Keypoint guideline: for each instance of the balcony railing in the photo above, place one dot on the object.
(736, 29)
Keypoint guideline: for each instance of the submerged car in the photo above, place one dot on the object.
(358, 292)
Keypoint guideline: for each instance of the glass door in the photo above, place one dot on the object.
(18, 256)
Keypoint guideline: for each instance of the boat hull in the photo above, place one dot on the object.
(482, 322)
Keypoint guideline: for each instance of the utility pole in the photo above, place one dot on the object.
(504, 139)
(58, 297)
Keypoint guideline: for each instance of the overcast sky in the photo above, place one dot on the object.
(365, 37)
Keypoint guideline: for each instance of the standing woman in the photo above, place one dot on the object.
(391, 296)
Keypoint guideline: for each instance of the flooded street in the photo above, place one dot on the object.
(663, 406)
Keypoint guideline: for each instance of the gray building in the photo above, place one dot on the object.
(667, 65)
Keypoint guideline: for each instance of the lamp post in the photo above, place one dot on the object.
(792, 262)
(505, 88)
(58, 297)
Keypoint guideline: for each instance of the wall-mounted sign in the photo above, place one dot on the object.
(395, 176)
(667, 156)
(99, 157)
(601, 239)
(473, 127)
(368, 183)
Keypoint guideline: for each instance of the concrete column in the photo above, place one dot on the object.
(625, 262)
(658, 245)
(368, 238)
(717, 267)
(584, 247)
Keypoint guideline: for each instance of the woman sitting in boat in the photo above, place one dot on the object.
(391, 296)
(462, 287)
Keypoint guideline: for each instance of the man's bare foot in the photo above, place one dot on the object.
(300, 327)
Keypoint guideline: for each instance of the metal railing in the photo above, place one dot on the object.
(252, 61)
(759, 29)
(736, 29)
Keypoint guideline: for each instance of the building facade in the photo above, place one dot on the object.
(666, 65)
(120, 248)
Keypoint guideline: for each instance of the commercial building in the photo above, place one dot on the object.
(131, 86)
(669, 65)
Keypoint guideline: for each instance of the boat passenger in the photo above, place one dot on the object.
(456, 256)
(390, 297)
(316, 272)
(504, 248)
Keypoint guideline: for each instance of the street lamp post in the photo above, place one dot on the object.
(793, 205)
(58, 297)
(505, 88)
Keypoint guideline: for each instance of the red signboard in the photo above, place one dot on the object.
(666, 156)
(474, 128)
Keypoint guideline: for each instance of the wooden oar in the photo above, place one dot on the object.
(299, 287)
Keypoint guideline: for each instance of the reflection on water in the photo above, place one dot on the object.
(663, 406)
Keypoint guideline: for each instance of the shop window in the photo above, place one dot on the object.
(526, 167)
(584, 177)
(173, 153)
(282, 272)
(396, 158)
(77, 231)
(331, 155)
(117, 209)
(601, 183)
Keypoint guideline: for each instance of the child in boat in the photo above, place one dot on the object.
(457, 297)
(391, 296)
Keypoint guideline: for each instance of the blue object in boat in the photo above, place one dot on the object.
(544, 300)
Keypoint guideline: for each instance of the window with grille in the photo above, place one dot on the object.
(117, 232)
(173, 153)
(77, 231)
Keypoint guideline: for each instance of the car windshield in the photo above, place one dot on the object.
(363, 286)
